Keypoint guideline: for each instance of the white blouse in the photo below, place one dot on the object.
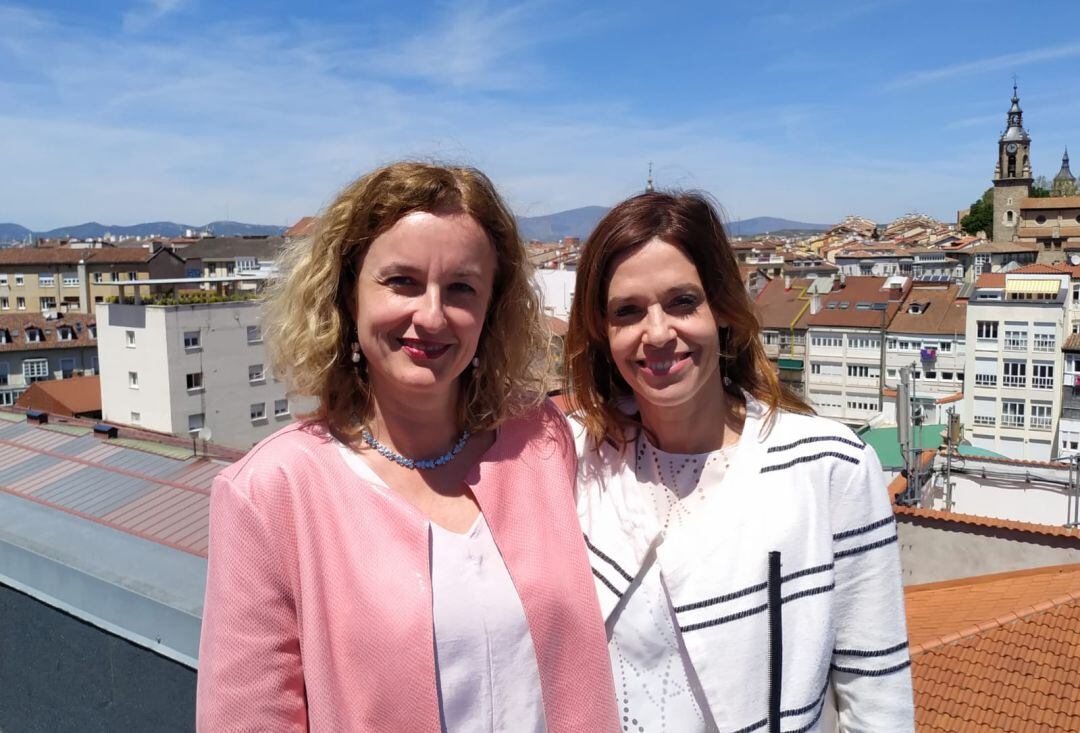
(654, 677)
(485, 664)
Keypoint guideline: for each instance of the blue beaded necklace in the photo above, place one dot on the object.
(426, 463)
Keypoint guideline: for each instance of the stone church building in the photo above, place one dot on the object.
(1051, 224)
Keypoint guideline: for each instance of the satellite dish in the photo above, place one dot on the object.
(205, 433)
(1074, 259)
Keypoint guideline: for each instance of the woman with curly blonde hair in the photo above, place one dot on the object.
(407, 557)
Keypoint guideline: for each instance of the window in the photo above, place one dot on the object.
(281, 407)
(771, 338)
(1015, 340)
(3, 279)
(20, 303)
(19, 280)
(987, 331)
(133, 380)
(863, 342)
(1042, 375)
(1012, 413)
(93, 330)
(114, 276)
(191, 339)
(136, 418)
(47, 303)
(1044, 342)
(947, 376)
(945, 346)
(67, 368)
(129, 339)
(4, 304)
(1040, 219)
(985, 372)
(195, 422)
(258, 411)
(46, 281)
(255, 373)
(71, 279)
(827, 341)
(4, 373)
(133, 275)
(98, 277)
(862, 405)
(815, 367)
(65, 333)
(862, 370)
(35, 370)
(1040, 416)
(1014, 374)
(984, 411)
(254, 334)
(930, 374)
(194, 381)
(34, 336)
(94, 365)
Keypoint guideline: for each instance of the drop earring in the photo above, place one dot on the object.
(475, 362)
(355, 353)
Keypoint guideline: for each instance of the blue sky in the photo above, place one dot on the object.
(191, 110)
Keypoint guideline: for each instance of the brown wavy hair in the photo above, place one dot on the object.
(307, 320)
(689, 221)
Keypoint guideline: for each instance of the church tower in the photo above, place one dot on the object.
(1012, 176)
(1064, 182)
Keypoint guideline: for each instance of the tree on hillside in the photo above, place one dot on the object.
(980, 216)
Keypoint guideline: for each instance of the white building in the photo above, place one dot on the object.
(180, 368)
(1013, 375)
(844, 346)
(928, 335)
(556, 289)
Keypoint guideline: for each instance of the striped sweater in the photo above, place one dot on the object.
(785, 590)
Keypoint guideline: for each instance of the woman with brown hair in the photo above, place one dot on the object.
(406, 557)
(744, 549)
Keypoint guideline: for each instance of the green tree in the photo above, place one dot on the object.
(1040, 188)
(980, 216)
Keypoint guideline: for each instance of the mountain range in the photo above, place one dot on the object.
(572, 223)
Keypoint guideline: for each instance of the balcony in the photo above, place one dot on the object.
(1070, 401)
(986, 380)
(1015, 344)
(1041, 423)
(1012, 421)
(987, 421)
(1045, 344)
(1042, 382)
(1014, 381)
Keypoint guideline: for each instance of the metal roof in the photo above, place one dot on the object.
(161, 498)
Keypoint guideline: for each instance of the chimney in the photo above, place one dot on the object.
(843, 278)
(815, 304)
(787, 282)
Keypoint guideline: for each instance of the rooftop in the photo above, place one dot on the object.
(1052, 202)
(997, 652)
(779, 306)
(67, 397)
(844, 306)
(940, 311)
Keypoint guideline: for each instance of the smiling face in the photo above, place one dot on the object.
(419, 304)
(662, 334)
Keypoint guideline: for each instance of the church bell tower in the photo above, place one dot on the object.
(1012, 176)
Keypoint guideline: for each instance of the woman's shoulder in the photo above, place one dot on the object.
(300, 448)
(786, 426)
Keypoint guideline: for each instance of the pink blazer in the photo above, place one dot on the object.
(318, 595)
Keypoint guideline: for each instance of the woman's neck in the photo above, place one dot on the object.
(416, 429)
(706, 423)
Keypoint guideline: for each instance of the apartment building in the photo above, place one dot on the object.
(1016, 324)
(228, 256)
(41, 280)
(928, 334)
(782, 309)
(34, 348)
(182, 368)
(845, 333)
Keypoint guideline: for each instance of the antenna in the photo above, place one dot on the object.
(649, 188)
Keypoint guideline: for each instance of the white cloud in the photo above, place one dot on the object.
(146, 12)
(1008, 61)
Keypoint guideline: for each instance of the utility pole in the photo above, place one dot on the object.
(952, 438)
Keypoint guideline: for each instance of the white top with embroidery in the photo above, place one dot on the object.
(654, 677)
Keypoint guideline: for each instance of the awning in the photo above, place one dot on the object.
(795, 364)
(1032, 286)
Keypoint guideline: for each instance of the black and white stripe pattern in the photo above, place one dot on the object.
(858, 541)
(609, 573)
(871, 662)
(814, 449)
(752, 600)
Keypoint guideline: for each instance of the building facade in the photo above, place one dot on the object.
(34, 348)
(184, 368)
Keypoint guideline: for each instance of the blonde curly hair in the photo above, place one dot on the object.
(307, 322)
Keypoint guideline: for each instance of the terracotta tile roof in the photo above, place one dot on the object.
(1053, 202)
(301, 228)
(1072, 342)
(557, 326)
(14, 326)
(997, 652)
(69, 397)
(954, 397)
(1039, 269)
(941, 312)
(65, 256)
(857, 289)
(991, 280)
(779, 307)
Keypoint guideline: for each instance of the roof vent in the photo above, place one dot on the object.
(104, 430)
(39, 416)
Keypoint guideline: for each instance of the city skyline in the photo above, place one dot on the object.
(185, 111)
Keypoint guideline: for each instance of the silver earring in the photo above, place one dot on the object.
(475, 362)
(355, 353)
